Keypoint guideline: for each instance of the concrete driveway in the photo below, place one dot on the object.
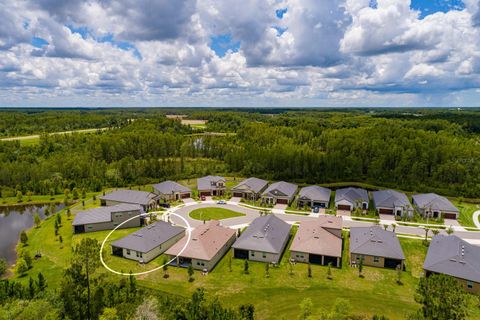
(189, 201)
(234, 200)
(388, 217)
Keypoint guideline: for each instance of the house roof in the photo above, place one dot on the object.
(375, 241)
(254, 184)
(102, 214)
(316, 237)
(207, 239)
(169, 187)
(149, 237)
(351, 194)
(266, 234)
(208, 182)
(315, 193)
(130, 196)
(434, 202)
(390, 199)
(286, 189)
(453, 256)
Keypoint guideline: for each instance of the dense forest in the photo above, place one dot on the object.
(415, 150)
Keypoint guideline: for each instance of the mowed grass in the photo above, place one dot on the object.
(214, 214)
(466, 212)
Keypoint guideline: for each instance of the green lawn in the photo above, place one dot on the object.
(214, 214)
(466, 212)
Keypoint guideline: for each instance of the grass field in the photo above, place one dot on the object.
(214, 214)
(466, 212)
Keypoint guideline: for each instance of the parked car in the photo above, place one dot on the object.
(221, 202)
(165, 205)
(202, 198)
(316, 209)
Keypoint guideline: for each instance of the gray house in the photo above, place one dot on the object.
(149, 242)
(455, 257)
(264, 240)
(377, 247)
(314, 196)
(146, 200)
(107, 218)
(319, 242)
(250, 188)
(435, 206)
(279, 192)
(392, 202)
(351, 198)
(211, 186)
(171, 190)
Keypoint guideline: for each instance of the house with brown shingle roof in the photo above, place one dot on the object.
(208, 244)
(319, 242)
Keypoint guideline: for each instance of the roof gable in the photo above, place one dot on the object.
(281, 188)
(130, 196)
(169, 187)
(351, 195)
(375, 241)
(390, 199)
(315, 193)
(252, 184)
(434, 201)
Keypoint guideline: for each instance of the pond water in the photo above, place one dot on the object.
(13, 220)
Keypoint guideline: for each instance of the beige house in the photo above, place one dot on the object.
(208, 244)
(146, 200)
(319, 242)
(250, 189)
(149, 242)
(211, 186)
(171, 191)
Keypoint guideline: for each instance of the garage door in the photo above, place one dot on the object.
(392, 263)
(282, 201)
(328, 259)
(450, 216)
(238, 194)
(186, 195)
(319, 204)
(344, 207)
(385, 211)
(205, 193)
(240, 254)
(315, 259)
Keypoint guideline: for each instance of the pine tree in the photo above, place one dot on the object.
(23, 238)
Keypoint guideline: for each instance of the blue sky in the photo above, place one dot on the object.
(304, 53)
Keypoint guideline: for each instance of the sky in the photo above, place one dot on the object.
(230, 53)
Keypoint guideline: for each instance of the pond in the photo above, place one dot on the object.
(13, 220)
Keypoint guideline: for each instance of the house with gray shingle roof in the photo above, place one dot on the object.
(434, 206)
(264, 240)
(146, 200)
(149, 242)
(351, 198)
(455, 257)
(279, 192)
(377, 247)
(171, 191)
(107, 218)
(211, 186)
(314, 196)
(250, 189)
(319, 242)
(392, 202)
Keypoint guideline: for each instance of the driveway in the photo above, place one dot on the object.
(345, 213)
(189, 201)
(387, 217)
(234, 200)
(279, 208)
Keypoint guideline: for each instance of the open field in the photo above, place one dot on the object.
(33, 139)
(214, 214)
(466, 212)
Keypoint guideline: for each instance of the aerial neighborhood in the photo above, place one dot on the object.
(267, 237)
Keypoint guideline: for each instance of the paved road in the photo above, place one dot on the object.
(475, 218)
(250, 214)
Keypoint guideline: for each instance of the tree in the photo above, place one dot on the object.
(84, 194)
(28, 258)
(19, 196)
(190, 273)
(360, 267)
(29, 196)
(23, 238)
(435, 231)
(147, 310)
(329, 271)
(399, 274)
(247, 312)
(41, 283)
(36, 220)
(341, 310)
(394, 226)
(449, 230)
(426, 234)
(230, 263)
(75, 194)
(442, 297)
(267, 270)
(245, 267)
(3, 266)
(58, 219)
(21, 267)
(306, 307)
(165, 267)
(109, 314)
(309, 270)
(31, 287)
(60, 238)
(385, 226)
(69, 213)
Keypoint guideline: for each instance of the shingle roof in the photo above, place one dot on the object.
(169, 187)
(351, 194)
(315, 237)
(315, 193)
(266, 234)
(207, 239)
(149, 237)
(434, 202)
(453, 256)
(130, 196)
(102, 214)
(254, 184)
(205, 183)
(375, 241)
(390, 199)
(288, 189)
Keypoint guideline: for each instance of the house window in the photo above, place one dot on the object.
(128, 251)
(264, 255)
(139, 255)
(118, 215)
(89, 227)
(252, 254)
(469, 284)
(376, 259)
(198, 263)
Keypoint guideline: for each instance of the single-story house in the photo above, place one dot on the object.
(208, 244)
(435, 206)
(351, 198)
(149, 242)
(171, 191)
(319, 242)
(264, 240)
(211, 186)
(378, 247)
(250, 189)
(279, 192)
(146, 200)
(455, 257)
(314, 196)
(392, 202)
(107, 218)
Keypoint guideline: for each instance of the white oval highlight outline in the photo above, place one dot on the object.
(189, 235)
